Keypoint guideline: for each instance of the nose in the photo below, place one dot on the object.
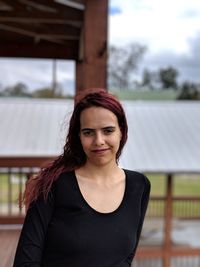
(99, 139)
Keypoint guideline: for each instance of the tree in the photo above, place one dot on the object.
(189, 91)
(48, 92)
(123, 62)
(147, 79)
(1, 90)
(19, 89)
(168, 78)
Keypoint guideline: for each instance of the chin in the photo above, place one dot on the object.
(102, 161)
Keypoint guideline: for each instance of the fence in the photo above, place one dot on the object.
(184, 207)
(12, 183)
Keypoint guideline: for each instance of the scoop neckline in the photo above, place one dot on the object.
(93, 209)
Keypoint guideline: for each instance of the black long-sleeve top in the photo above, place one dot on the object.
(65, 231)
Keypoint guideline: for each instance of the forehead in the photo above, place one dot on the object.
(97, 117)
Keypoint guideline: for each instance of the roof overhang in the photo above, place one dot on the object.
(41, 29)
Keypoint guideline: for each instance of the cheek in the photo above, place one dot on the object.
(85, 142)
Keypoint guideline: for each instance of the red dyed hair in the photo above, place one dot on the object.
(73, 155)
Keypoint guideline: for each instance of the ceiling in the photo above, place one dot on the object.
(41, 29)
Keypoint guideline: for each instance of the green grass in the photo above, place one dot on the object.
(157, 184)
(183, 185)
(4, 188)
(146, 95)
(186, 185)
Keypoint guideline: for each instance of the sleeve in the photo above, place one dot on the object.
(31, 242)
(144, 204)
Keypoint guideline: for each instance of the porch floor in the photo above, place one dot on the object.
(9, 235)
(8, 243)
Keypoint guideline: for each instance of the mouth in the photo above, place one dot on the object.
(100, 151)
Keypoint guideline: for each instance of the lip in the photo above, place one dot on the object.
(100, 151)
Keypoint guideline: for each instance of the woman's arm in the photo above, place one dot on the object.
(144, 204)
(31, 242)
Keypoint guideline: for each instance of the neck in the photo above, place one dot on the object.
(99, 172)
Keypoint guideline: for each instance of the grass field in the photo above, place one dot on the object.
(146, 95)
(186, 185)
(183, 185)
(13, 185)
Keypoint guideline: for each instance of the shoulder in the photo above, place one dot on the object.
(64, 179)
(138, 178)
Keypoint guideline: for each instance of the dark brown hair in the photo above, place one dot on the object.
(73, 155)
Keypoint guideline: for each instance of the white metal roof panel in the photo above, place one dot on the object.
(163, 136)
(32, 127)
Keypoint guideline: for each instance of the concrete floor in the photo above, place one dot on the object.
(184, 232)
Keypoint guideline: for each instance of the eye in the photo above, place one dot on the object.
(87, 132)
(108, 130)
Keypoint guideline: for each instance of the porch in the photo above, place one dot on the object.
(8, 239)
(160, 244)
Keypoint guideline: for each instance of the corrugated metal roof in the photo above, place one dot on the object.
(163, 136)
(31, 127)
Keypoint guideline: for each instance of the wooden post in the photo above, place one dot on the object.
(91, 68)
(168, 222)
(54, 78)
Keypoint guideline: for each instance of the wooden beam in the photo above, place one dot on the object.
(38, 6)
(158, 252)
(20, 162)
(61, 12)
(68, 51)
(185, 252)
(54, 38)
(91, 69)
(74, 4)
(12, 219)
(168, 222)
(32, 20)
(44, 28)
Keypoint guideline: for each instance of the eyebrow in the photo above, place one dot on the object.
(110, 127)
(104, 128)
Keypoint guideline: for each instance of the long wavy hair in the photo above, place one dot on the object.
(73, 155)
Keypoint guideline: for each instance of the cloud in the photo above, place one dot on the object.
(190, 13)
(169, 29)
(35, 73)
(158, 24)
(187, 64)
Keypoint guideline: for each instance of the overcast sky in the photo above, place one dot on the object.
(169, 29)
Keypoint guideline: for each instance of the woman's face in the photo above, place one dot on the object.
(100, 135)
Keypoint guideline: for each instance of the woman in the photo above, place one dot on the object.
(83, 209)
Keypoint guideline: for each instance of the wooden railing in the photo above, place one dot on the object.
(184, 207)
(15, 172)
(185, 258)
(12, 182)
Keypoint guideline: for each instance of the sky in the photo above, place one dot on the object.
(169, 29)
